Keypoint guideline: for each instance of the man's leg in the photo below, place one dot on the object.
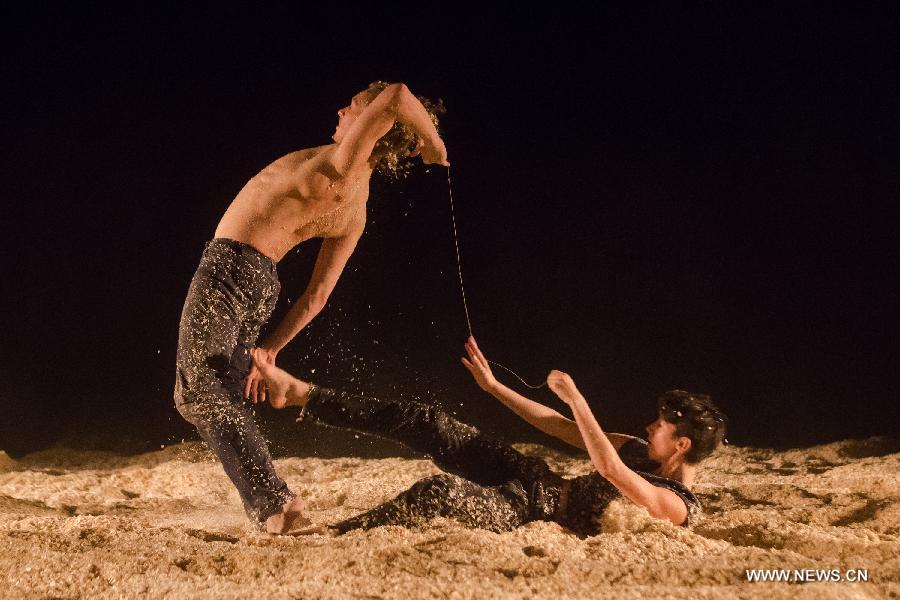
(210, 361)
(231, 433)
(264, 295)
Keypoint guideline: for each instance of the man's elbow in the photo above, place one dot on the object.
(394, 95)
(397, 89)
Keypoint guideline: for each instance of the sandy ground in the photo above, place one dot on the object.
(77, 524)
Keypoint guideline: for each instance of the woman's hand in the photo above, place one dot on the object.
(479, 368)
(563, 386)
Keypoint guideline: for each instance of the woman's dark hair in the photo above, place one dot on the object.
(696, 418)
(394, 150)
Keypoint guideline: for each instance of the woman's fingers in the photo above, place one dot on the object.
(473, 357)
(479, 362)
(484, 361)
(473, 366)
(478, 354)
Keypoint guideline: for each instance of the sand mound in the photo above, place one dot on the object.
(86, 524)
(6, 463)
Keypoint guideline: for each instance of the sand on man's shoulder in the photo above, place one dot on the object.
(86, 524)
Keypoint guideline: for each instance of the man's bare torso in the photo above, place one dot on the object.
(295, 198)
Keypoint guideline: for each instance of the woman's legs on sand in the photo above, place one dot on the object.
(454, 446)
(495, 508)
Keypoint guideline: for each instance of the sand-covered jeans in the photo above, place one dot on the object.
(231, 296)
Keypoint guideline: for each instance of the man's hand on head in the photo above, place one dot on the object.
(434, 153)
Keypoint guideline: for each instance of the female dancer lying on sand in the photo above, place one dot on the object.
(490, 485)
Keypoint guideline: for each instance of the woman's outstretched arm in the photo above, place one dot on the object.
(542, 417)
(659, 502)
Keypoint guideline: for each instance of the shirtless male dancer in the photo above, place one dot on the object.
(315, 192)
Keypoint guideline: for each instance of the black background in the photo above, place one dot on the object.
(701, 196)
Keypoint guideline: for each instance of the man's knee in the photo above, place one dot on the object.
(219, 420)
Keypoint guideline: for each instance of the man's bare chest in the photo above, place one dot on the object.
(333, 223)
(305, 202)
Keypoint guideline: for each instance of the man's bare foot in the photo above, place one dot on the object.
(290, 521)
(283, 388)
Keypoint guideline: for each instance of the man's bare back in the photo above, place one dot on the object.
(295, 198)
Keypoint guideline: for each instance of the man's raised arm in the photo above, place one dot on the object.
(394, 103)
(330, 263)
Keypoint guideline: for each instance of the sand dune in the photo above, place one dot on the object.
(88, 524)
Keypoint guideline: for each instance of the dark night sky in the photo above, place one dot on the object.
(701, 198)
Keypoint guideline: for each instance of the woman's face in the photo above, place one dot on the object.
(661, 440)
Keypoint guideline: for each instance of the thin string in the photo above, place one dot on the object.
(463, 289)
(458, 261)
(513, 373)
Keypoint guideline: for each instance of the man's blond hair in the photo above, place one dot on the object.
(394, 150)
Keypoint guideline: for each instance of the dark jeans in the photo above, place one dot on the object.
(231, 296)
(488, 484)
